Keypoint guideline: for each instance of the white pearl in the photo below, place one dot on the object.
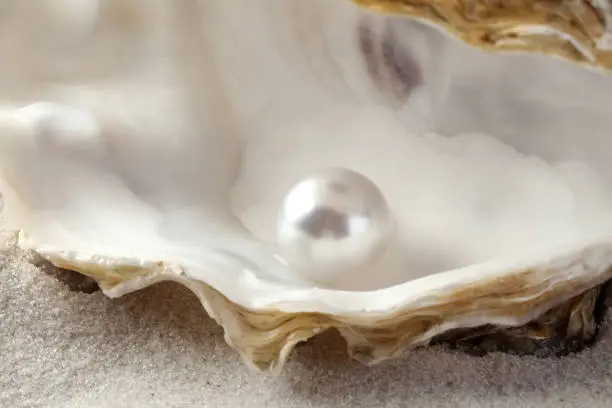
(332, 223)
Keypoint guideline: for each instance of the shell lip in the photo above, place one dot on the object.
(572, 262)
(580, 36)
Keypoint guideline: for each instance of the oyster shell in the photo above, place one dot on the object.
(575, 30)
(153, 140)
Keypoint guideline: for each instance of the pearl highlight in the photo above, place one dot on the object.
(331, 223)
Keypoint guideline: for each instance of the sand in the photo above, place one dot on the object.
(157, 348)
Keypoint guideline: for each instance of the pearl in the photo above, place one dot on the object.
(334, 222)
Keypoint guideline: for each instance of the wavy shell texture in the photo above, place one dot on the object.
(575, 30)
(126, 175)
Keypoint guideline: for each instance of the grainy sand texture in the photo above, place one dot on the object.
(158, 348)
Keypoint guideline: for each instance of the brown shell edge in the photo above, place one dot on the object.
(265, 338)
(500, 25)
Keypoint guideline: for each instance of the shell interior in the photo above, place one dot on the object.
(145, 141)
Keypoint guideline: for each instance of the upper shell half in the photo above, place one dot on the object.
(152, 140)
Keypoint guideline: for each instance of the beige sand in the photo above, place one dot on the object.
(157, 348)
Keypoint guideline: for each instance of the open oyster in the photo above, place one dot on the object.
(310, 165)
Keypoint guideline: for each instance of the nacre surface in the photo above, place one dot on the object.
(154, 140)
